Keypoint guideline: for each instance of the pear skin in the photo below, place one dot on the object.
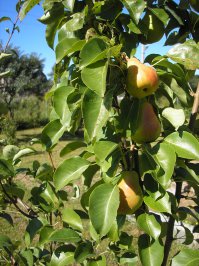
(142, 80)
(148, 126)
(131, 196)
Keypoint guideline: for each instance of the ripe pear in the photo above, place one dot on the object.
(142, 80)
(148, 126)
(153, 26)
(131, 196)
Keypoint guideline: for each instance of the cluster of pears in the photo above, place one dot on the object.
(142, 81)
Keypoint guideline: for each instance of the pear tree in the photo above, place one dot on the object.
(138, 117)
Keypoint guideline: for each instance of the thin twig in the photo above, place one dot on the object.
(51, 160)
(194, 109)
(15, 204)
(13, 29)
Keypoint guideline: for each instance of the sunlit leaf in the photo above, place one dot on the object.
(149, 224)
(185, 54)
(27, 6)
(175, 116)
(70, 170)
(184, 144)
(70, 217)
(135, 8)
(186, 257)
(103, 205)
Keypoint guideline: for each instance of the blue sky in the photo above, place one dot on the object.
(31, 38)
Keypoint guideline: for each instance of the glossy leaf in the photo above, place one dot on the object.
(103, 148)
(65, 235)
(185, 54)
(51, 133)
(27, 6)
(184, 144)
(94, 77)
(70, 170)
(71, 147)
(161, 205)
(69, 4)
(24, 152)
(175, 116)
(165, 157)
(27, 257)
(151, 251)
(32, 229)
(186, 257)
(75, 23)
(68, 46)
(94, 50)
(70, 217)
(99, 261)
(103, 205)
(62, 259)
(129, 258)
(6, 168)
(60, 103)
(135, 8)
(83, 251)
(149, 224)
(95, 112)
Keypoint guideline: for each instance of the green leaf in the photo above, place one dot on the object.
(9, 151)
(4, 55)
(69, 4)
(99, 261)
(175, 116)
(94, 50)
(5, 241)
(71, 147)
(44, 172)
(129, 258)
(185, 54)
(68, 46)
(27, 6)
(186, 257)
(24, 152)
(103, 148)
(45, 234)
(65, 235)
(151, 251)
(184, 144)
(135, 8)
(75, 23)
(60, 103)
(94, 77)
(27, 257)
(160, 205)
(70, 217)
(62, 259)
(4, 19)
(5, 74)
(70, 170)
(95, 112)
(6, 168)
(149, 224)
(103, 205)
(161, 14)
(33, 227)
(165, 157)
(84, 250)
(49, 195)
(57, 13)
(51, 133)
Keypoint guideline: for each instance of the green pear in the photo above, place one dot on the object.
(142, 80)
(147, 127)
(131, 196)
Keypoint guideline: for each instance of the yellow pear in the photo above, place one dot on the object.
(153, 26)
(148, 126)
(131, 196)
(142, 80)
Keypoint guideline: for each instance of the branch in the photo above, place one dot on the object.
(13, 30)
(194, 109)
(16, 206)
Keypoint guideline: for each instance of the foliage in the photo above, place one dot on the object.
(94, 39)
(24, 76)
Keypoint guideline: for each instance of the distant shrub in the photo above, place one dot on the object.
(30, 112)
